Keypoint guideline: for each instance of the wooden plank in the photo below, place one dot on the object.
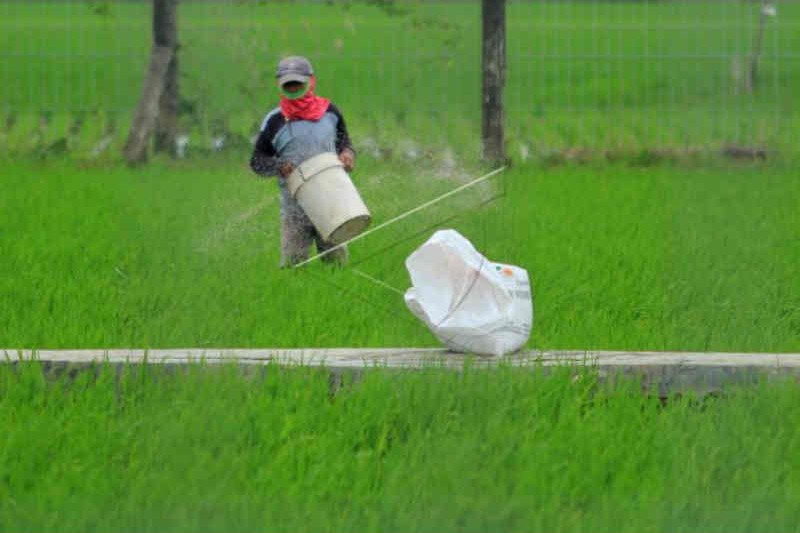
(665, 371)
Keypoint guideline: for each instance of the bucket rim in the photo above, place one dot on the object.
(311, 167)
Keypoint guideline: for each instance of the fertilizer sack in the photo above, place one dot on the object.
(471, 304)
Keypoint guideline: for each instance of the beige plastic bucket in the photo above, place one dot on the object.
(324, 190)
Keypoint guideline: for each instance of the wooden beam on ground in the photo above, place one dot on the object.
(666, 372)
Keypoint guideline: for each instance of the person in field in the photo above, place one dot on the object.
(302, 126)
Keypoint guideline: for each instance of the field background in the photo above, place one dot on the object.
(496, 450)
(664, 257)
(581, 75)
(638, 234)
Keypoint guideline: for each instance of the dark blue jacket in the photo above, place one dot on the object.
(283, 140)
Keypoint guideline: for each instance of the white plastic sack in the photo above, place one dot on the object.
(470, 303)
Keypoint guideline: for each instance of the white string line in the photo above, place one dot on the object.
(377, 281)
(380, 282)
(404, 215)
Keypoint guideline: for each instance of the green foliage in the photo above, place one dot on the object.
(100, 9)
(582, 74)
(665, 257)
(648, 250)
(201, 448)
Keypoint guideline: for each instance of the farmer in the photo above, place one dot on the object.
(302, 126)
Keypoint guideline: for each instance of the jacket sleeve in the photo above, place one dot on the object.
(342, 136)
(264, 160)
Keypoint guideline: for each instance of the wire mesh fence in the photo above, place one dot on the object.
(583, 77)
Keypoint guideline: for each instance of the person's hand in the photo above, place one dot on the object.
(285, 169)
(348, 159)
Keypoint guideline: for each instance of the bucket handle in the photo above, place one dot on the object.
(306, 180)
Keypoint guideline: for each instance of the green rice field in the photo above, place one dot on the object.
(664, 257)
(607, 75)
(636, 233)
(432, 450)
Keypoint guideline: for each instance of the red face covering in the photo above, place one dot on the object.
(307, 107)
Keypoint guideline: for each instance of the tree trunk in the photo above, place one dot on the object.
(165, 27)
(494, 74)
(165, 33)
(167, 121)
(144, 118)
(158, 105)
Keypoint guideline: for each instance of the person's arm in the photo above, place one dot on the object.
(343, 145)
(265, 161)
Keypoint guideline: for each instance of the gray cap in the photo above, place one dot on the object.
(294, 68)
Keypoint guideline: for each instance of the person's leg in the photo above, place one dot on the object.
(297, 232)
(339, 256)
